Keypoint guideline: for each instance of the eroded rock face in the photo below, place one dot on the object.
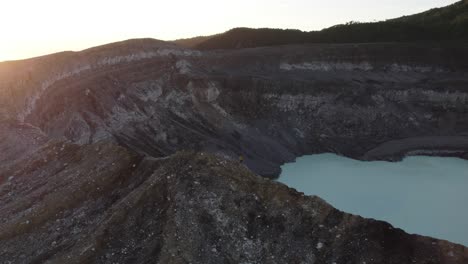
(268, 104)
(100, 203)
(18, 140)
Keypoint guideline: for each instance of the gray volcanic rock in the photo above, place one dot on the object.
(100, 203)
(436, 146)
(18, 141)
(268, 104)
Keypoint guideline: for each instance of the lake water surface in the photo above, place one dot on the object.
(421, 195)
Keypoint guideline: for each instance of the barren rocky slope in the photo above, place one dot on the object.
(89, 174)
(268, 104)
(100, 203)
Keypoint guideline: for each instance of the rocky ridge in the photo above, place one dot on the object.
(59, 205)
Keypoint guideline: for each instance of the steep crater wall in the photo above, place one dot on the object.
(269, 105)
(100, 203)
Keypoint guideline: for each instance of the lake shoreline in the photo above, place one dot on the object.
(420, 194)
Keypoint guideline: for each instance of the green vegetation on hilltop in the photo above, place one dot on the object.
(446, 23)
(440, 24)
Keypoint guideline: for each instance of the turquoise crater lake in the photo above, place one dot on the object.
(421, 195)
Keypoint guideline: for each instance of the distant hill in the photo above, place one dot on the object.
(446, 23)
(440, 24)
(192, 42)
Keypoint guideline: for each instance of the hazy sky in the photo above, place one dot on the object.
(37, 27)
